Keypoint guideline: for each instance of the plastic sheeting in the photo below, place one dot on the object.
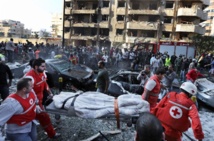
(97, 105)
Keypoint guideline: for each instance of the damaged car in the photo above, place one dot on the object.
(205, 91)
(124, 82)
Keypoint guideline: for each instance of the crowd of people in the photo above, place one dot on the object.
(163, 123)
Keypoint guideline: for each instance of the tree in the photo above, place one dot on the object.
(203, 44)
(44, 33)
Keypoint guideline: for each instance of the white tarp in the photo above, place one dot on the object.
(96, 104)
(205, 83)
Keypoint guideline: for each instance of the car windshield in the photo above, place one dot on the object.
(62, 65)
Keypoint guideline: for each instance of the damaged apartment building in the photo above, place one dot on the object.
(126, 22)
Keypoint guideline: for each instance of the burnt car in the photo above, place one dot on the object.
(124, 81)
(205, 91)
(79, 76)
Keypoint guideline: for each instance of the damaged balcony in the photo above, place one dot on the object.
(168, 12)
(167, 27)
(82, 37)
(142, 25)
(190, 28)
(67, 23)
(192, 12)
(105, 11)
(141, 39)
(83, 11)
(144, 12)
(68, 0)
(120, 25)
(68, 10)
(67, 35)
(118, 38)
(102, 24)
(121, 11)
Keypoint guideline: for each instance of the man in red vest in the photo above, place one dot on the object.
(19, 110)
(38, 76)
(174, 111)
(152, 88)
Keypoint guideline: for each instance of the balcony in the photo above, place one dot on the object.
(168, 12)
(83, 11)
(141, 39)
(119, 25)
(144, 12)
(67, 23)
(105, 11)
(68, 0)
(121, 11)
(192, 12)
(118, 38)
(79, 37)
(190, 28)
(67, 35)
(103, 24)
(68, 11)
(142, 25)
(167, 27)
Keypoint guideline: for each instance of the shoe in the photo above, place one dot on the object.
(56, 135)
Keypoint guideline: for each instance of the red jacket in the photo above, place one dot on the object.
(153, 98)
(193, 74)
(39, 83)
(174, 112)
(29, 106)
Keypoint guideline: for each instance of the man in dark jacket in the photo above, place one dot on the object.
(4, 85)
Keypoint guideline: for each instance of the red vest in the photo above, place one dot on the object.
(153, 96)
(39, 84)
(175, 113)
(29, 106)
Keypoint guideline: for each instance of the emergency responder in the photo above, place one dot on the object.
(175, 110)
(39, 80)
(153, 86)
(192, 75)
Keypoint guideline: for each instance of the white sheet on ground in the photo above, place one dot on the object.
(96, 104)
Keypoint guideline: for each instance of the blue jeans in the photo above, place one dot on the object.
(30, 136)
(182, 75)
(4, 91)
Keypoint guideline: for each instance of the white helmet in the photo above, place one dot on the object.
(189, 87)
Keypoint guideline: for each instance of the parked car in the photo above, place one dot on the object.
(79, 76)
(205, 91)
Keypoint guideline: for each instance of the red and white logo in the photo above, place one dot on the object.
(175, 112)
(31, 101)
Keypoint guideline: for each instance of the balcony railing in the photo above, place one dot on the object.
(105, 11)
(192, 12)
(141, 39)
(67, 23)
(82, 37)
(190, 28)
(68, 11)
(142, 25)
(121, 11)
(68, 0)
(144, 12)
(103, 24)
(167, 27)
(83, 11)
(118, 38)
(120, 25)
(67, 35)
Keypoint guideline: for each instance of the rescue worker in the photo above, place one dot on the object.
(19, 111)
(167, 61)
(152, 88)
(192, 75)
(39, 80)
(174, 111)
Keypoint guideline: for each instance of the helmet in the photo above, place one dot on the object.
(189, 87)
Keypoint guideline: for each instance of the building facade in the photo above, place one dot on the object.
(126, 22)
(209, 23)
(56, 25)
(11, 28)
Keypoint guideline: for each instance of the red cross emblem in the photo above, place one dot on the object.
(175, 112)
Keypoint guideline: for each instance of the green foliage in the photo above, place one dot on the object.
(203, 44)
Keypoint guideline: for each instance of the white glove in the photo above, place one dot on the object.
(38, 109)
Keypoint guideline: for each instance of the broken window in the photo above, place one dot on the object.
(106, 4)
(183, 36)
(119, 32)
(151, 34)
(121, 4)
(95, 6)
(134, 17)
(167, 20)
(165, 34)
(133, 33)
(105, 17)
(120, 17)
(81, 5)
(187, 5)
(104, 32)
(152, 19)
(169, 4)
(153, 6)
(94, 18)
(135, 6)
